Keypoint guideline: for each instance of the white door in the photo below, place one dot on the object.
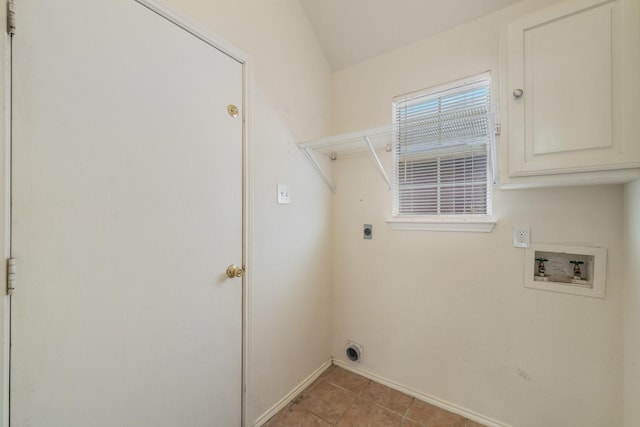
(127, 210)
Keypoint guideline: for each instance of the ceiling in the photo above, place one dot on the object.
(351, 31)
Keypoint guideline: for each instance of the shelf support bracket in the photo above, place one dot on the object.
(316, 166)
(378, 162)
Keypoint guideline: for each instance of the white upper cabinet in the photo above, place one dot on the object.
(572, 90)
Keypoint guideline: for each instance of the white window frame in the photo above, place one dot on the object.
(448, 222)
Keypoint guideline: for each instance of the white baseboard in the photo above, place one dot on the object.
(421, 396)
(289, 397)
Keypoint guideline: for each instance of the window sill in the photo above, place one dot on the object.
(476, 225)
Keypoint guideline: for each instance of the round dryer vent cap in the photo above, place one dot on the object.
(354, 352)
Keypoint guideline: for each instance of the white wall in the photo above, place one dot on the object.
(632, 306)
(446, 314)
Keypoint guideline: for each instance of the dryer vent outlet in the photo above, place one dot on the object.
(354, 351)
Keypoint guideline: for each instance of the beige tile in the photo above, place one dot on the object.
(432, 416)
(295, 416)
(387, 397)
(365, 413)
(333, 399)
(327, 401)
(345, 379)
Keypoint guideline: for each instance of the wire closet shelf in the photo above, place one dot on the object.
(350, 144)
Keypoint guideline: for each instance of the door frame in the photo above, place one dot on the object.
(205, 34)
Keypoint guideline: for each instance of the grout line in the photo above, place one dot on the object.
(404, 417)
(360, 394)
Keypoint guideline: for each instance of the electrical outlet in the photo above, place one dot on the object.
(521, 236)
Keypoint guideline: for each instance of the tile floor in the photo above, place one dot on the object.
(342, 398)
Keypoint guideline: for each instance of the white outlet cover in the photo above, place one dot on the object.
(521, 236)
(283, 194)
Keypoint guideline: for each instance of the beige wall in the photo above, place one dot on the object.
(446, 314)
(442, 313)
(632, 306)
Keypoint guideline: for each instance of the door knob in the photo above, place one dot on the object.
(234, 271)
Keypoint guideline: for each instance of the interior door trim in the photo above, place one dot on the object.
(194, 28)
(5, 213)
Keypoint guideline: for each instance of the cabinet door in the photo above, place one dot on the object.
(566, 90)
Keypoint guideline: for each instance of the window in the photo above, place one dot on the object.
(443, 166)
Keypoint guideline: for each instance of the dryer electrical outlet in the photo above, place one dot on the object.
(367, 233)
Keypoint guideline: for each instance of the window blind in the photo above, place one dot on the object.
(442, 150)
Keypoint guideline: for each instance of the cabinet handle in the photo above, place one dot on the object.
(518, 93)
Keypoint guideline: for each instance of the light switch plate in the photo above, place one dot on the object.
(283, 194)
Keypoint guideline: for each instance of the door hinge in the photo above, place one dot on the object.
(497, 126)
(11, 18)
(11, 275)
